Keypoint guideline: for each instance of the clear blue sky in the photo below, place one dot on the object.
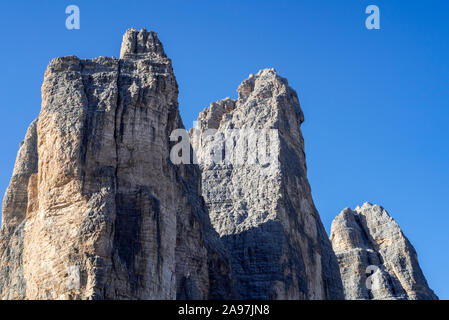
(376, 102)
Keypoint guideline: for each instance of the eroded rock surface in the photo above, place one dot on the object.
(376, 260)
(258, 196)
(15, 202)
(95, 209)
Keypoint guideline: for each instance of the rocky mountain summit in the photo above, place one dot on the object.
(97, 208)
(261, 206)
(376, 260)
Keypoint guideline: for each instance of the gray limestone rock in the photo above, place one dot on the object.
(97, 209)
(15, 203)
(376, 260)
(254, 176)
(105, 214)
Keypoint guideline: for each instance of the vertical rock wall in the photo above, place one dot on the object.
(96, 209)
(15, 203)
(259, 198)
(104, 214)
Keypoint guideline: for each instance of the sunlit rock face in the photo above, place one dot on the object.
(376, 260)
(258, 196)
(95, 209)
(14, 208)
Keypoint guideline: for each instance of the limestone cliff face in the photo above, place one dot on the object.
(15, 203)
(95, 209)
(369, 243)
(258, 196)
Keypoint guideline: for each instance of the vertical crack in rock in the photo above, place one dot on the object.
(259, 199)
(376, 260)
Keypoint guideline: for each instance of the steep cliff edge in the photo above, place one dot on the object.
(376, 260)
(95, 209)
(254, 176)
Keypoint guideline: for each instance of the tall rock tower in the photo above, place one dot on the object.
(254, 177)
(376, 260)
(95, 209)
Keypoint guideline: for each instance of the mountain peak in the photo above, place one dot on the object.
(139, 44)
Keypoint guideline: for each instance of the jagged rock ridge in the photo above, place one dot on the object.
(369, 243)
(261, 206)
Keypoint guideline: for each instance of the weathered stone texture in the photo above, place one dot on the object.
(15, 202)
(259, 198)
(105, 214)
(369, 243)
(96, 209)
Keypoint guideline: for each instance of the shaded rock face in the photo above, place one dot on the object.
(258, 196)
(376, 260)
(95, 209)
